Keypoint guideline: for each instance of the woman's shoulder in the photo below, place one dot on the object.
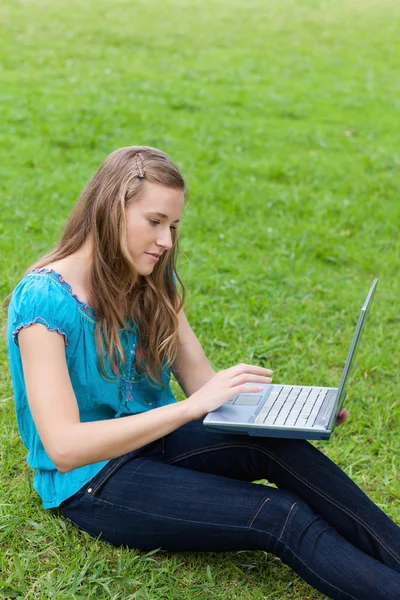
(37, 284)
(61, 280)
(71, 271)
(42, 285)
(43, 296)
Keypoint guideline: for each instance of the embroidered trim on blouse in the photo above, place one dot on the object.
(42, 322)
(58, 277)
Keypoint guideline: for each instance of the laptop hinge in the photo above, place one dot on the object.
(324, 414)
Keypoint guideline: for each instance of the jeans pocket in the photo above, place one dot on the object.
(94, 486)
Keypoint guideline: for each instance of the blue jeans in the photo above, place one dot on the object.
(192, 490)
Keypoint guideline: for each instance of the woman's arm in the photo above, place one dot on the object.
(70, 443)
(191, 367)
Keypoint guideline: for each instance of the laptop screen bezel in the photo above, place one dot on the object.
(341, 394)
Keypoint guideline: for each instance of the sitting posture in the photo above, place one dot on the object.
(94, 330)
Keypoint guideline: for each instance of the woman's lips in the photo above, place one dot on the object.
(154, 257)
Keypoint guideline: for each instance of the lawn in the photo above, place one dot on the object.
(283, 116)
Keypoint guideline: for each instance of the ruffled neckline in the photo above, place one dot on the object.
(60, 279)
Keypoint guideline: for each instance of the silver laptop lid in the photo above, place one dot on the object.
(354, 344)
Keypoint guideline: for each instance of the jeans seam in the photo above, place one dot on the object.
(318, 576)
(169, 518)
(389, 550)
(338, 505)
(221, 525)
(288, 519)
(200, 451)
(256, 515)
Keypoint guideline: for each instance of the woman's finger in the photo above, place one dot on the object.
(249, 378)
(343, 416)
(246, 389)
(254, 369)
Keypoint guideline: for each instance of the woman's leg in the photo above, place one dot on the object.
(296, 466)
(144, 503)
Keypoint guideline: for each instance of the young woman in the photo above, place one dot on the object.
(95, 327)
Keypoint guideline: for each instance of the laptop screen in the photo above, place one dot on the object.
(354, 344)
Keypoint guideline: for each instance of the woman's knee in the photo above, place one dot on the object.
(277, 511)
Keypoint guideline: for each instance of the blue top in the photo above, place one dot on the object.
(44, 297)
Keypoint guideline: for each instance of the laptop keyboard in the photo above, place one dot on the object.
(293, 406)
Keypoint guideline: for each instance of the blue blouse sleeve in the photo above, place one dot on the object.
(39, 299)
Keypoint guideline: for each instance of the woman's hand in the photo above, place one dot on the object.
(342, 417)
(225, 384)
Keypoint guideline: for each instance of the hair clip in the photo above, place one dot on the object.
(139, 163)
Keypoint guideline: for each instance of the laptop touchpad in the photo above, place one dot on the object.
(248, 399)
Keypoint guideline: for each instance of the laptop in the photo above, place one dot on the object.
(289, 411)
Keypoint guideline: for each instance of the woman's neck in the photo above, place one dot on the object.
(75, 269)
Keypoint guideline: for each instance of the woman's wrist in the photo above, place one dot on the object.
(192, 409)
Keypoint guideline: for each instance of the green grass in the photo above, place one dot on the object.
(284, 118)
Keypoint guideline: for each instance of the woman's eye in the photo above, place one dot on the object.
(172, 227)
(154, 223)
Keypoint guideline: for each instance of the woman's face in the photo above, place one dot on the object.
(149, 224)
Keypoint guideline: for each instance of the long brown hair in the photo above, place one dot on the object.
(117, 292)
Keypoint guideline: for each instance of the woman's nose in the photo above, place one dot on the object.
(165, 240)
